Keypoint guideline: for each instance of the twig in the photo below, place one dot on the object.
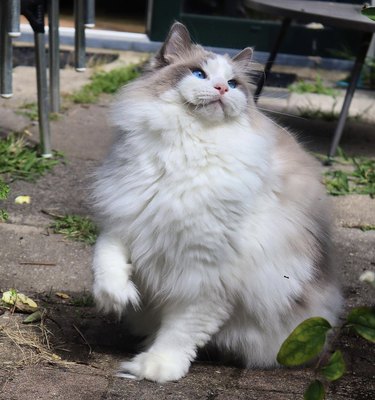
(47, 264)
(83, 338)
(52, 214)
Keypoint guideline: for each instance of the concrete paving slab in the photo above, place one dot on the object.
(83, 132)
(354, 254)
(11, 121)
(354, 210)
(64, 190)
(35, 383)
(34, 260)
(24, 84)
(221, 383)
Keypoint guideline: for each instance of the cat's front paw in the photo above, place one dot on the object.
(155, 366)
(115, 295)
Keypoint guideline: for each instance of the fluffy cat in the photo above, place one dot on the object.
(214, 223)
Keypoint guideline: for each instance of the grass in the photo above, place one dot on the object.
(310, 113)
(363, 227)
(358, 177)
(30, 110)
(312, 87)
(75, 227)
(85, 300)
(4, 191)
(20, 160)
(105, 82)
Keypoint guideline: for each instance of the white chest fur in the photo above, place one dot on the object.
(184, 191)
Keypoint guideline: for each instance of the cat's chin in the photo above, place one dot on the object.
(213, 111)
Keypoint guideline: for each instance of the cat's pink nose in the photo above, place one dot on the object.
(222, 88)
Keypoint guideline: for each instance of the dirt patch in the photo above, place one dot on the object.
(90, 346)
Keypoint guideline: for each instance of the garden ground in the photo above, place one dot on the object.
(73, 354)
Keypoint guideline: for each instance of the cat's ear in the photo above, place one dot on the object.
(178, 42)
(244, 56)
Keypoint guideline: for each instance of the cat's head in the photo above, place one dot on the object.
(210, 86)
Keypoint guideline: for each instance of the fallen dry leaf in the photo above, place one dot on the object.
(62, 295)
(34, 317)
(19, 301)
(22, 200)
(9, 297)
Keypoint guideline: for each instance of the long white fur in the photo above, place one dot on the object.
(194, 234)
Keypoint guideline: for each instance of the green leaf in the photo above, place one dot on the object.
(34, 317)
(304, 343)
(315, 391)
(369, 12)
(335, 367)
(362, 320)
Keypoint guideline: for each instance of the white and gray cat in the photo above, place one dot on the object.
(214, 223)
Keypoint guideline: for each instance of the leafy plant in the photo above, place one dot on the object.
(337, 182)
(19, 160)
(368, 12)
(307, 342)
(317, 86)
(304, 343)
(76, 227)
(105, 82)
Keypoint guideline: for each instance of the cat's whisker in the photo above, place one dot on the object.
(267, 110)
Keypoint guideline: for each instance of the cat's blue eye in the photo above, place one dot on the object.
(232, 83)
(199, 73)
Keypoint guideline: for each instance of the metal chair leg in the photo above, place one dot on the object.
(14, 20)
(89, 13)
(79, 39)
(54, 54)
(43, 98)
(34, 11)
(6, 51)
(271, 59)
(361, 55)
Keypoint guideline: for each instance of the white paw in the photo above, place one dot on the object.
(155, 366)
(115, 294)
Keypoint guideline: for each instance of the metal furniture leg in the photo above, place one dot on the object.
(89, 13)
(14, 18)
(43, 98)
(79, 38)
(34, 11)
(271, 59)
(361, 55)
(54, 54)
(6, 51)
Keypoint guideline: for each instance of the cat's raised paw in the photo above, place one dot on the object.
(115, 296)
(155, 366)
